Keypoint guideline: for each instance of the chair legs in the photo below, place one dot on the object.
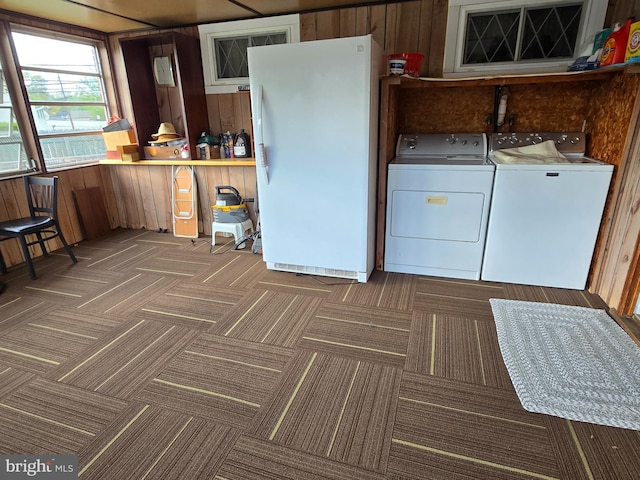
(66, 245)
(3, 266)
(27, 257)
(24, 246)
(42, 245)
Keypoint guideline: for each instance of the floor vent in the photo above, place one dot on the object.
(329, 272)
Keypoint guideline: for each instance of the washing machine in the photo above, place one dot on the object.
(547, 205)
(438, 195)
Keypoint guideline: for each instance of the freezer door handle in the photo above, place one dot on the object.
(261, 154)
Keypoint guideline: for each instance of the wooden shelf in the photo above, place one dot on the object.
(591, 75)
(225, 162)
(183, 105)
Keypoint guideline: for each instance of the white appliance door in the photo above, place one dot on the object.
(543, 225)
(314, 122)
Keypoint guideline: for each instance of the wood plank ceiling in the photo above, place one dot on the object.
(112, 16)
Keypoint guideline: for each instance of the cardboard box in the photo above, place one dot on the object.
(127, 148)
(129, 153)
(600, 38)
(130, 157)
(120, 137)
(156, 153)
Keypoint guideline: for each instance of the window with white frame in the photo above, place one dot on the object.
(65, 90)
(224, 48)
(513, 36)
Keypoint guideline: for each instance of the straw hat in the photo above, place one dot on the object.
(166, 133)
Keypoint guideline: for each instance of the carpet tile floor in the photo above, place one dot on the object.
(155, 357)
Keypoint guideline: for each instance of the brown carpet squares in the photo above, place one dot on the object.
(154, 358)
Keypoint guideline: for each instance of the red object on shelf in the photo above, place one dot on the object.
(414, 62)
(615, 46)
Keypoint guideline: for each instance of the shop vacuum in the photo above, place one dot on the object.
(231, 208)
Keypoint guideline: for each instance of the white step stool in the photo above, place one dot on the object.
(236, 229)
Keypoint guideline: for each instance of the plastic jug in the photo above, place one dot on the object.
(241, 145)
(615, 46)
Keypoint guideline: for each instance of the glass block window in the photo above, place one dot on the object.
(231, 53)
(524, 34)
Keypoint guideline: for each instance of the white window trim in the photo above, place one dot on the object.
(592, 21)
(209, 32)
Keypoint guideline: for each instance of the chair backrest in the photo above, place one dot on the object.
(42, 195)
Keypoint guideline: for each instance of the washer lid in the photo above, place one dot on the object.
(573, 163)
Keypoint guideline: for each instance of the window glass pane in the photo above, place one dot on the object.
(13, 157)
(550, 32)
(231, 57)
(66, 119)
(65, 91)
(491, 37)
(48, 53)
(67, 151)
(231, 52)
(269, 39)
(62, 87)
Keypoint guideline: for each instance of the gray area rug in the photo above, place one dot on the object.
(570, 362)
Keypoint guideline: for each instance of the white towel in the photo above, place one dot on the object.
(545, 152)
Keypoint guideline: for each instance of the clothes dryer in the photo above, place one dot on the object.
(438, 194)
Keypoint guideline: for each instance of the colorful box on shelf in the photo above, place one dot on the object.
(119, 137)
(633, 44)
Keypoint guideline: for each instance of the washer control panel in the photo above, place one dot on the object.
(572, 142)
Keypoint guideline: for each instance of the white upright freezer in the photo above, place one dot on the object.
(315, 122)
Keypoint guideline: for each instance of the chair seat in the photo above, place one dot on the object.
(23, 225)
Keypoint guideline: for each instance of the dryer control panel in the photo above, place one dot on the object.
(439, 144)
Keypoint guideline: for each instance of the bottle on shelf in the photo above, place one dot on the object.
(241, 145)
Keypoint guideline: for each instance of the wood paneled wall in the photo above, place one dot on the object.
(615, 273)
(148, 189)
